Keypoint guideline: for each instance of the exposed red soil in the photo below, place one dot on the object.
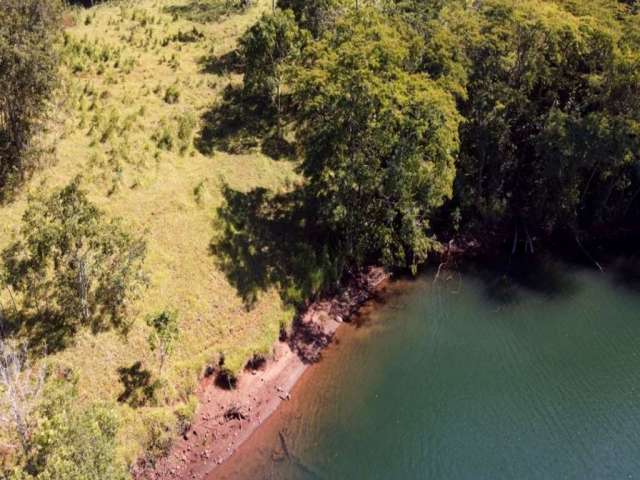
(227, 418)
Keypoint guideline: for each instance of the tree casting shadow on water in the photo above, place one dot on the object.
(505, 278)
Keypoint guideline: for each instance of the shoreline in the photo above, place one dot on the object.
(227, 418)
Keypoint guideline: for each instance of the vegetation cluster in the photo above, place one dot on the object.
(325, 136)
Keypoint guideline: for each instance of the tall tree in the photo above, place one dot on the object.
(28, 76)
(268, 48)
(379, 140)
(75, 263)
(164, 333)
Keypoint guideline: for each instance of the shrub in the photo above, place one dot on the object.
(185, 413)
(79, 447)
(186, 125)
(172, 94)
(164, 138)
(199, 192)
(205, 11)
(164, 333)
(71, 443)
(160, 426)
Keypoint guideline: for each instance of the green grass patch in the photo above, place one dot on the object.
(135, 152)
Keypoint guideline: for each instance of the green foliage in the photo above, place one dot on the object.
(553, 130)
(317, 16)
(164, 137)
(446, 27)
(28, 76)
(71, 443)
(160, 428)
(380, 141)
(186, 412)
(165, 331)
(268, 48)
(205, 11)
(186, 125)
(172, 94)
(80, 447)
(73, 263)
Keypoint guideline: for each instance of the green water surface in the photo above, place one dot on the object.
(470, 378)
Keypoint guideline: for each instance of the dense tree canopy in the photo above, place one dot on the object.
(28, 75)
(317, 16)
(267, 48)
(408, 121)
(552, 114)
(379, 140)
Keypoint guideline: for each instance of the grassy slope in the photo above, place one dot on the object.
(128, 175)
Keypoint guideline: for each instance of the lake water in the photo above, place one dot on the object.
(469, 378)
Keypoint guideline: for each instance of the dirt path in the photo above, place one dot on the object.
(226, 418)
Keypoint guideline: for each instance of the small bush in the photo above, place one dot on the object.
(186, 125)
(199, 192)
(164, 138)
(185, 413)
(172, 95)
(73, 443)
(160, 426)
(111, 127)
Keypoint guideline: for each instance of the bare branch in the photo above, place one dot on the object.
(21, 387)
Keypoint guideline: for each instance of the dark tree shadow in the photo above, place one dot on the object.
(234, 125)
(205, 11)
(226, 380)
(255, 363)
(44, 333)
(626, 272)
(507, 276)
(269, 240)
(85, 3)
(139, 390)
(229, 62)
(278, 147)
(239, 124)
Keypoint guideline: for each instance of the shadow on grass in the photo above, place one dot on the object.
(229, 62)
(44, 333)
(139, 390)
(205, 11)
(239, 124)
(269, 240)
(85, 3)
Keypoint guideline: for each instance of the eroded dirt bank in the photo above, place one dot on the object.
(226, 418)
